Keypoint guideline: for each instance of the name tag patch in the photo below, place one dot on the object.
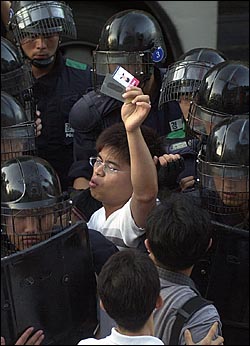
(176, 125)
(69, 131)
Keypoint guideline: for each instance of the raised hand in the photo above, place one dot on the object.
(135, 108)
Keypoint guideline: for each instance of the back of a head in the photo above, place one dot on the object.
(224, 92)
(129, 287)
(223, 167)
(130, 38)
(115, 138)
(183, 78)
(178, 232)
(30, 188)
(17, 132)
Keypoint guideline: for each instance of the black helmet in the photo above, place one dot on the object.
(41, 18)
(184, 77)
(224, 92)
(223, 166)
(31, 191)
(16, 75)
(17, 132)
(130, 37)
(32, 19)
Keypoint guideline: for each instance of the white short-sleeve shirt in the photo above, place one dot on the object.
(116, 338)
(119, 227)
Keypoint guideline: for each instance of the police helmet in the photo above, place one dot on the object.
(17, 132)
(223, 166)
(224, 92)
(131, 38)
(35, 18)
(33, 206)
(184, 77)
(16, 76)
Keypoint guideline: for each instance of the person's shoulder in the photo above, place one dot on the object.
(90, 341)
(76, 64)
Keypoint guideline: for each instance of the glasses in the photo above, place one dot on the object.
(107, 167)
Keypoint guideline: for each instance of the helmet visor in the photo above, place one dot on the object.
(182, 79)
(201, 120)
(17, 140)
(24, 228)
(18, 80)
(43, 18)
(225, 187)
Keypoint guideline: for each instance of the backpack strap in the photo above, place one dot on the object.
(183, 315)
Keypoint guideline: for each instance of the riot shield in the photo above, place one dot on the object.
(223, 277)
(51, 286)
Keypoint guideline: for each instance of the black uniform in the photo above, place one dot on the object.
(55, 94)
(221, 275)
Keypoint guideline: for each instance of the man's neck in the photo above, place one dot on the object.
(147, 329)
(109, 209)
(186, 271)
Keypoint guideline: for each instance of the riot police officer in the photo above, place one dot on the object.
(223, 168)
(17, 132)
(181, 81)
(46, 261)
(224, 91)
(132, 39)
(32, 204)
(16, 77)
(38, 28)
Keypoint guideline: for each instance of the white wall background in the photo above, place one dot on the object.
(195, 22)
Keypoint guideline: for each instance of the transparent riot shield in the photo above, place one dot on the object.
(51, 286)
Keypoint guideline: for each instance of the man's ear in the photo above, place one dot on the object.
(159, 302)
(146, 242)
(101, 305)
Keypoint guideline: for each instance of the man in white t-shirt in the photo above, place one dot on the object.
(129, 290)
(124, 173)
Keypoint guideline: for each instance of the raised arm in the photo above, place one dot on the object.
(143, 171)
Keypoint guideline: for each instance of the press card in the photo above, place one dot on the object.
(124, 77)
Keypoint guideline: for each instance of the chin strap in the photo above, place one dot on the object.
(43, 63)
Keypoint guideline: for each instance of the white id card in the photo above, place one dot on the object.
(124, 77)
(114, 86)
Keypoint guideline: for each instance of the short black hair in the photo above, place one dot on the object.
(115, 138)
(129, 286)
(178, 232)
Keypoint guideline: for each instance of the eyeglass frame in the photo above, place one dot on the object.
(105, 166)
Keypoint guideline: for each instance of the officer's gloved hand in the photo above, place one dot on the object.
(187, 183)
(169, 168)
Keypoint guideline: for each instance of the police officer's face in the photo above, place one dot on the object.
(40, 47)
(184, 105)
(25, 230)
(234, 192)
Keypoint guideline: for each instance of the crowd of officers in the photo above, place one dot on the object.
(184, 130)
